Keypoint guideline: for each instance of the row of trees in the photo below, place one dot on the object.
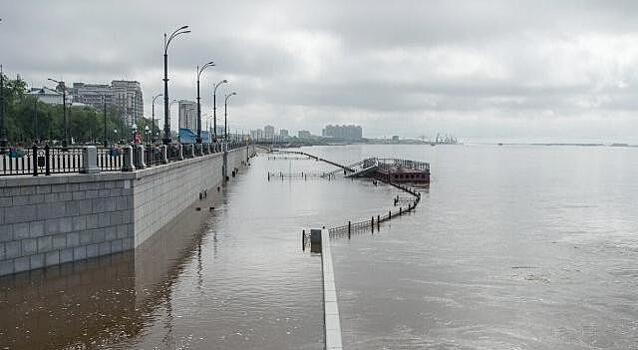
(28, 120)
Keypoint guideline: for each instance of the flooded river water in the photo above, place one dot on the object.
(512, 247)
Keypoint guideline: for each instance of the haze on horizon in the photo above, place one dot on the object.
(480, 70)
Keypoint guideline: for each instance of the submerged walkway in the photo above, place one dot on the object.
(332, 323)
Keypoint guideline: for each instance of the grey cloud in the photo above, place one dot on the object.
(296, 62)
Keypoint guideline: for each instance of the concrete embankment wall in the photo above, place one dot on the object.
(51, 220)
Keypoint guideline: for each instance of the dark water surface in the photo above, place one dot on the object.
(511, 247)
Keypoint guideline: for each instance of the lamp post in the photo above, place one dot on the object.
(199, 107)
(215, 108)
(3, 126)
(146, 132)
(153, 116)
(65, 142)
(115, 140)
(106, 143)
(35, 117)
(226, 115)
(167, 42)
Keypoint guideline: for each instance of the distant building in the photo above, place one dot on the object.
(343, 132)
(269, 131)
(188, 115)
(122, 95)
(304, 134)
(48, 96)
(395, 138)
(257, 135)
(283, 133)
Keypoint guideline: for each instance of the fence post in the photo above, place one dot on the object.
(164, 150)
(180, 153)
(378, 221)
(349, 228)
(140, 164)
(400, 211)
(89, 160)
(47, 165)
(389, 214)
(127, 158)
(35, 159)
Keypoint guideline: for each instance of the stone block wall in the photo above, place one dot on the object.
(163, 192)
(51, 220)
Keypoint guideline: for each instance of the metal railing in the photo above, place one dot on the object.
(375, 221)
(49, 160)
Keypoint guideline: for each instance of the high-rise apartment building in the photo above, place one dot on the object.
(269, 131)
(123, 96)
(188, 115)
(343, 132)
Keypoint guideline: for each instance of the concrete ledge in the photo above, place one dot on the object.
(332, 324)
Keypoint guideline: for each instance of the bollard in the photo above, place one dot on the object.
(269, 176)
(378, 221)
(390, 214)
(372, 222)
(303, 240)
(400, 211)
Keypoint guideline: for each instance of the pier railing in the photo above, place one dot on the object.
(353, 227)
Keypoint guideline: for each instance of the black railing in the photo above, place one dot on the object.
(48, 160)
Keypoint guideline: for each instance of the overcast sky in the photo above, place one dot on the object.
(477, 69)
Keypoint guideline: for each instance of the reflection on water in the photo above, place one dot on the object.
(233, 277)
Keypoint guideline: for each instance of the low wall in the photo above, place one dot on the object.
(55, 219)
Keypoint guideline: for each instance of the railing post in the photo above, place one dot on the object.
(164, 150)
(180, 153)
(34, 154)
(139, 158)
(127, 157)
(89, 160)
(47, 164)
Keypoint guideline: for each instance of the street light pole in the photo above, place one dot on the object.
(167, 41)
(199, 106)
(215, 108)
(3, 126)
(65, 142)
(106, 142)
(226, 115)
(153, 116)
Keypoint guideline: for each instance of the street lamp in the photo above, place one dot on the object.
(226, 115)
(215, 108)
(134, 129)
(153, 115)
(65, 142)
(3, 126)
(199, 108)
(146, 132)
(115, 140)
(106, 143)
(167, 42)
